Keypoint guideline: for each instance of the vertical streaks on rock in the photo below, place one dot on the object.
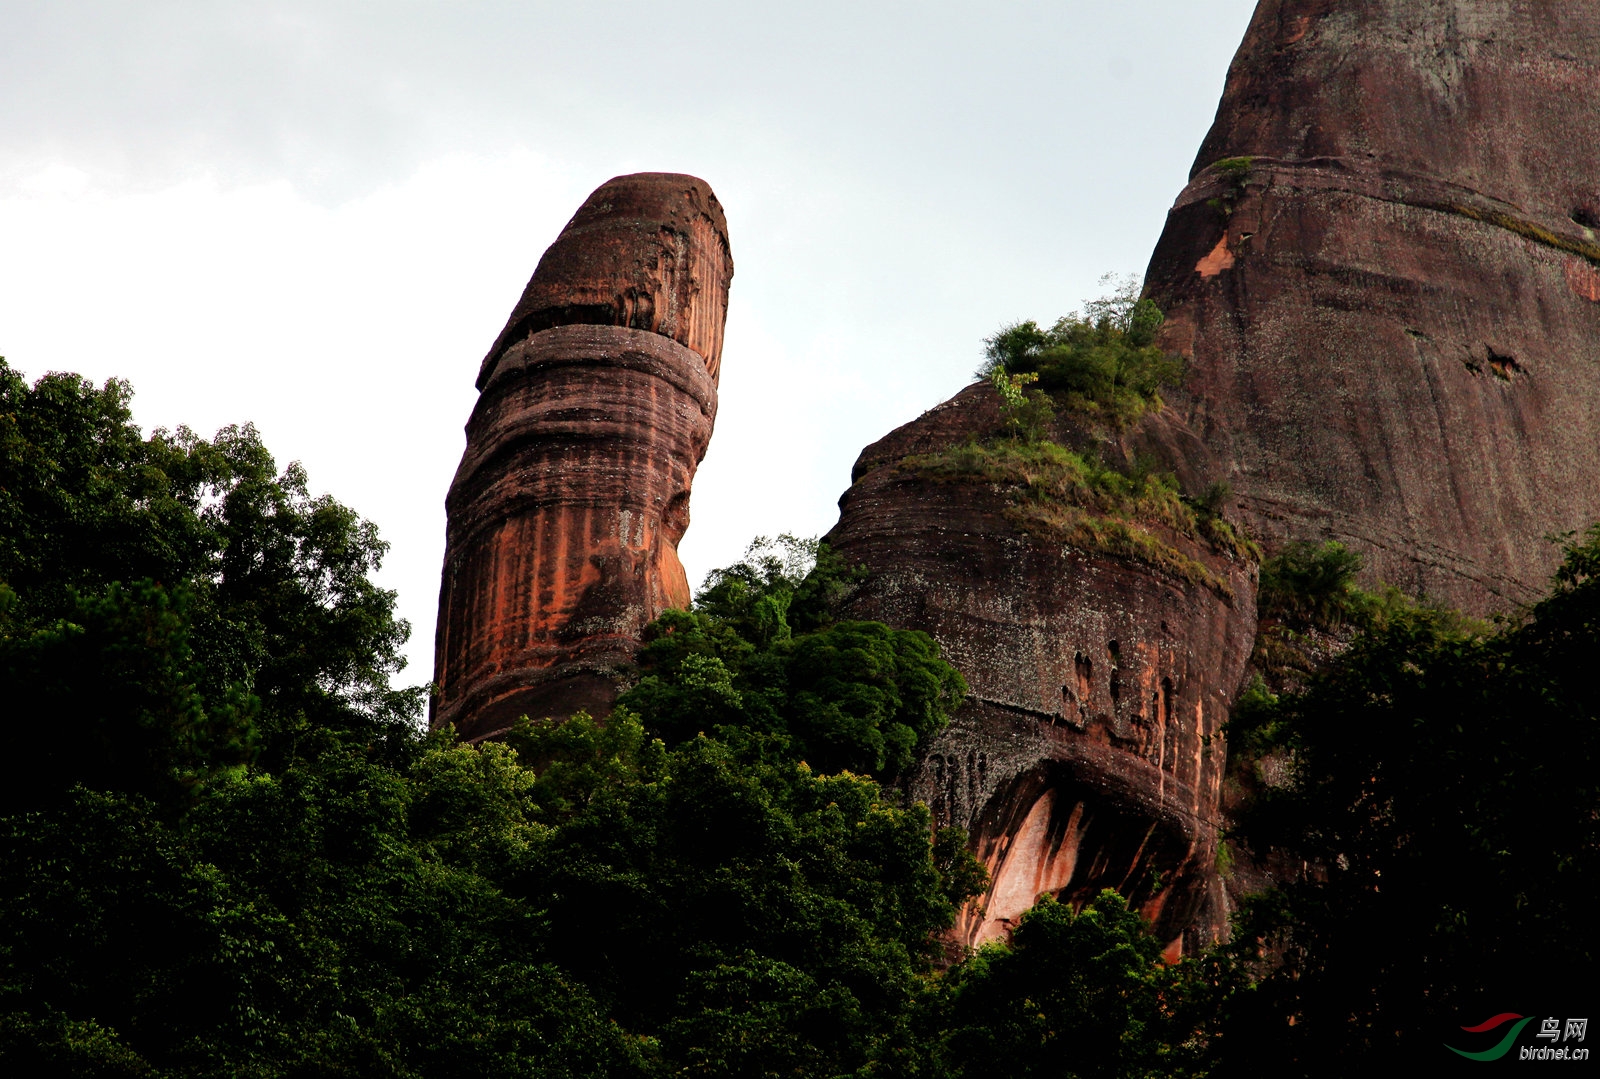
(1089, 752)
(1383, 278)
(596, 406)
(647, 251)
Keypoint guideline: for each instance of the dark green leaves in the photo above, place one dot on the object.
(1307, 584)
(1076, 995)
(110, 697)
(251, 585)
(863, 696)
(855, 696)
(1444, 793)
(760, 655)
(1102, 364)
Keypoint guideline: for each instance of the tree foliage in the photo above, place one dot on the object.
(207, 862)
(1103, 367)
(227, 849)
(1444, 791)
(856, 696)
(1101, 363)
(1311, 585)
(1077, 995)
(177, 576)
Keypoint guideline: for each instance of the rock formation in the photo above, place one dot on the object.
(596, 405)
(1385, 274)
(1088, 753)
(1385, 277)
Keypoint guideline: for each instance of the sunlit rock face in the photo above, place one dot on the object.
(1089, 753)
(1384, 273)
(596, 406)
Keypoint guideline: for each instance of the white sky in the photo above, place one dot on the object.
(317, 216)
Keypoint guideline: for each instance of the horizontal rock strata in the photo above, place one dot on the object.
(647, 251)
(1385, 274)
(596, 406)
(1089, 754)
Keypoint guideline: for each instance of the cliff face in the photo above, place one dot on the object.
(596, 405)
(1384, 273)
(1088, 754)
(1385, 277)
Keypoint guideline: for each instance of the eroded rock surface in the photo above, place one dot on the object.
(1088, 754)
(1385, 276)
(1384, 273)
(596, 406)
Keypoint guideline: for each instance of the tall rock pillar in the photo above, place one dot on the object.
(1386, 276)
(596, 404)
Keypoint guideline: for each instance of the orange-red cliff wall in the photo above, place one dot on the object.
(1089, 753)
(596, 405)
(1386, 275)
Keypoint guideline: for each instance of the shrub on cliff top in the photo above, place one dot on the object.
(1101, 363)
(1103, 366)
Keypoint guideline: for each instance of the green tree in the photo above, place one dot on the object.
(1444, 791)
(1076, 995)
(295, 923)
(1310, 585)
(227, 849)
(782, 586)
(208, 861)
(752, 916)
(855, 696)
(1102, 363)
(110, 696)
(256, 588)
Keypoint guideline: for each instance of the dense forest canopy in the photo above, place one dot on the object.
(228, 848)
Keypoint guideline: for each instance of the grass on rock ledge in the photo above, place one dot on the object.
(1067, 497)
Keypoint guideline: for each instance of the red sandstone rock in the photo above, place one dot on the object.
(1386, 277)
(596, 406)
(649, 251)
(1088, 755)
(1384, 273)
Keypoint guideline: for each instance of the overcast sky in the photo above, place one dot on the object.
(317, 216)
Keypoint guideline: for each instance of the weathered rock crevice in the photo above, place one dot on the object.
(1088, 754)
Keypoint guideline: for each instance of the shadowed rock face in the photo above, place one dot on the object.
(1386, 278)
(596, 405)
(1088, 754)
(1384, 272)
